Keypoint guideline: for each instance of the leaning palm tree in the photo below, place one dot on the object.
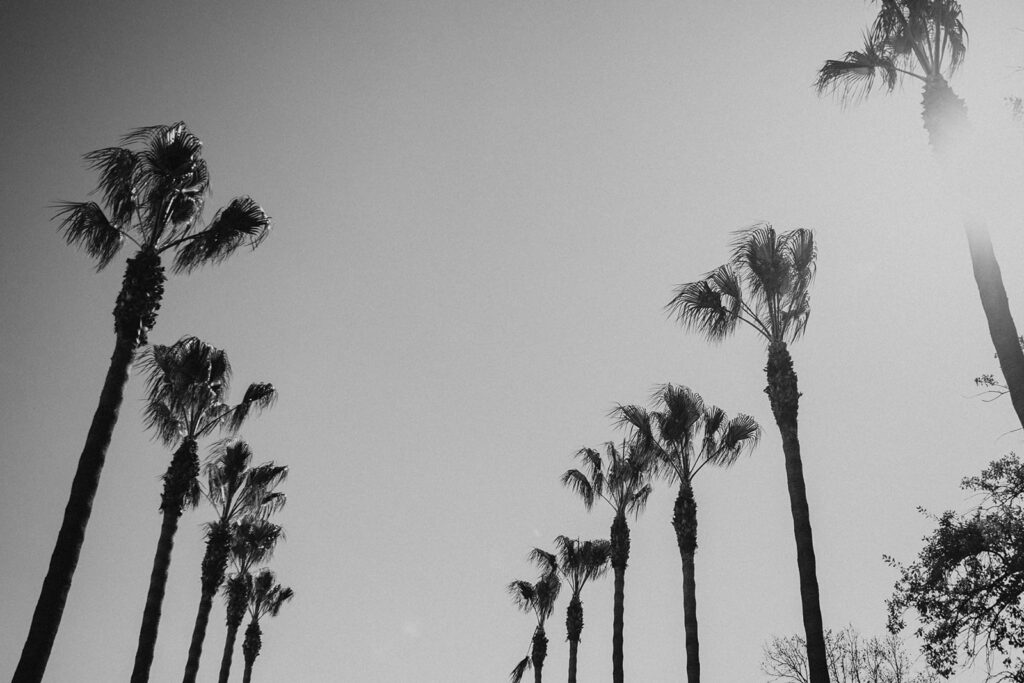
(153, 188)
(682, 435)
(265, 600)
(766, 286)
(538, 598)
(926, 40)
(620, 479)
(235, 491)
(577, 562)
(187, 387)
(253, 542)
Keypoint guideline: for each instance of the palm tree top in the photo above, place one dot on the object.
(620, 478)
(252, 542)
(538, 598)
(187, 385)
(765, 285)
(154, 188)
(576, 561)
(923, 39)
(683, 433)
(266, 596)
(234, 488)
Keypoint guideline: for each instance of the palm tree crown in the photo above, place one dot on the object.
(765, 285)
(154, 198)
(922, 39)
(577, 562)
(683, 434)
(619, 479)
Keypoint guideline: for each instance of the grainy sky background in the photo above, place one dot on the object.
(480, 211)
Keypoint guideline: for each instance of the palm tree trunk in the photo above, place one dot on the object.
(214, 564)
(195, 650)
(997, 311)
(178, 480)
(573, 629)
(251, 648)
(684, 521)
(620, 558)
(229, 648)
(134, 315)
(539, 653)
(155, 598)
(945, 119)
(785, 397)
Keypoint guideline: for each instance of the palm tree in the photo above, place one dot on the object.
(252, 543)
(926, 40)
(236, 491)
(153, 197)
(187, 385)
(621, 480)
(766, 286)
(265, 600)
(577, 562)
(682, 435)
(538, 598)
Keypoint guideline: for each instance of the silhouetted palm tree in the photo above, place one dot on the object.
(153, 198)
(621, 480)
(253, 542)
(577, 562)
(187, 385)
(265, 600)
(766, 286)
(926, 40)
(538, 598)
(682, 435)
(236, 491)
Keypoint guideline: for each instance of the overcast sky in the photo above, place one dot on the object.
(480, 210)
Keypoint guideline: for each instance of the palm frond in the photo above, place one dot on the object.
(545, 561)
(523, 593)
(85, 225)
(520, 669)
(699, 307)
(118, 168)
(576, 481)
(738, 436)
(258, 397)
(145, 134)
(167, 428)
(240, 223)
(638, 500)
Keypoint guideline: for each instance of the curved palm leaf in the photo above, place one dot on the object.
(242, 222)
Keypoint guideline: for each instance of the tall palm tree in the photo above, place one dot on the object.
(620, 479)
(538, 598)
(235, 491)
(153, 188)
(926, 40)
(682, 435)
(187, 386)
(265, 600)
(766, 286)
(253, 542)
(577, 562)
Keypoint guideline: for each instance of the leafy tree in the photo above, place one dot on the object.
(538, 598)
(967, 581)
(577, 562)
(252, 543)
(187, 386)
(620, 479)
(681, 436)
(236, 491)
(851, 659)
(153, 189)
(766, 286)
(265, 600)
(926, 40)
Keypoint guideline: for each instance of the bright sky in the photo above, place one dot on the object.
(480, 210)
